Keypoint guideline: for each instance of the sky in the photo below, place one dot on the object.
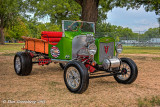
(137, 20)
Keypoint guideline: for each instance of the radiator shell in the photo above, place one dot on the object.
(101, 54)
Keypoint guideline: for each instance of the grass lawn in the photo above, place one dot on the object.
(10, 49)
(140, 50)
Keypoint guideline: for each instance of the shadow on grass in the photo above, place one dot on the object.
(105, 82)
(45, 69)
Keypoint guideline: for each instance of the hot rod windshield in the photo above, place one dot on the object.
(82, 26)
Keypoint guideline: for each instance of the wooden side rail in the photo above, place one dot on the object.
(37, 45)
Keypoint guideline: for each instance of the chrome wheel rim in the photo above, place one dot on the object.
(73, 77)
(18, 64)
(125, 70)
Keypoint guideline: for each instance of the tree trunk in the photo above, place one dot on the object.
(2, 39)
(90, 10)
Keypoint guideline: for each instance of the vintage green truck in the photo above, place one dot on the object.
(79, 52)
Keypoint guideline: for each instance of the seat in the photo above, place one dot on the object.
(52, 37)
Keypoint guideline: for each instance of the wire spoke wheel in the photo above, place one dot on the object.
(125, 70)
(73, 77)
(76, 77)
(128, 70)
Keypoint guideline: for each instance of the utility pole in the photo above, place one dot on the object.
(138, 37)
(159, 24)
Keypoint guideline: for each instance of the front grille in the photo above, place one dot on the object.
(102, 52)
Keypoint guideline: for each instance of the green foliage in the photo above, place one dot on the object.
(113, 31)
(57, 9)
(152, 33)
(150, 5)
(35, 28)
(47, 27)
(18, 30)
(9, 11)
(30, 28)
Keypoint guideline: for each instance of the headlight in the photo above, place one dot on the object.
(92, 49)
(119, 48)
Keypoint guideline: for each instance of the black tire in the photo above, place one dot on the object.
(82, 74)
(25, 66)
(62, 65)
(132, 71)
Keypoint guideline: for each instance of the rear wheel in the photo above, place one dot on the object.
(23, 63)
(129, 71)
(76, 77)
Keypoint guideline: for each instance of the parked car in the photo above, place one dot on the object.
(79, 53)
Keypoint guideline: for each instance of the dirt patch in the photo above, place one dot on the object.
(45, 87)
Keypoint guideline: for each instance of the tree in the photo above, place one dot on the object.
(57, 9)
(35, 28)
(152, 33)
(150, 5)
(89, 9)
(9, 11)
(19, 29)
(114, 31)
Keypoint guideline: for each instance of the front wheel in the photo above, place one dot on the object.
(76, 77)
(128, 70)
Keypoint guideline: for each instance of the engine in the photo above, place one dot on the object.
(84, 49)
(83, 45)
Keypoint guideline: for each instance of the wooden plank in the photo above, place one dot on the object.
(46, 48)
(31, 45)
(39, 46)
